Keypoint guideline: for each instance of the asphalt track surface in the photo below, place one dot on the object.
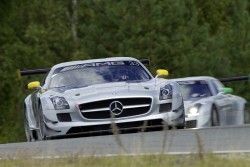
(230, 139)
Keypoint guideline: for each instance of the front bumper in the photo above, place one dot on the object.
(197, 121)
(76, 128)
(76, 122)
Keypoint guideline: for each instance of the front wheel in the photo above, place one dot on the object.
(246, 111)
(27, 128)
(215, 121)
(41, 126)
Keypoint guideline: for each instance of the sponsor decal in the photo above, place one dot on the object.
(98, 64)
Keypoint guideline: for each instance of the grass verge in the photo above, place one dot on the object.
(161, 160)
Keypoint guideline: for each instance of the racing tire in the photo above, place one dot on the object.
(215, 121)
(27, 129)
(246, 114)
(41, 126)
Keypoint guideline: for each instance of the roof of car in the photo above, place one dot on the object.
(94, 60)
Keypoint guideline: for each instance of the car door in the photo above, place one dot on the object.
(232, 115)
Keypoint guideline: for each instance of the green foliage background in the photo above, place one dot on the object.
(187, 37)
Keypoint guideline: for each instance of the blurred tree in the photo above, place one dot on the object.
(237, 44)
(214, 13)
(35, 34)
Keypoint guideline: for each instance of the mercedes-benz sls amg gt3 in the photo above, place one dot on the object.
(89, 96)
(209, 103)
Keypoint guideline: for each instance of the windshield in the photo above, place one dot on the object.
(92, 73)
(194, 89)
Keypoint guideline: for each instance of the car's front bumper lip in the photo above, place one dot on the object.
(112, 128)
(63, 128)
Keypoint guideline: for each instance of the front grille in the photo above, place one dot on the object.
(101, 109)
(191, 124)
(157, 123)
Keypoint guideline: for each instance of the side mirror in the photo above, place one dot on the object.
(226, 90)
(161, 73)
(34, 85)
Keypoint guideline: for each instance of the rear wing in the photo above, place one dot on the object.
(145, 61)
(21, 73)
(34, 72)
(236, 78)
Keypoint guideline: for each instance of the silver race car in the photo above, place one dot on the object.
(208, 103)
(89, 96)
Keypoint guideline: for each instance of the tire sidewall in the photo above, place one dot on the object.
(27, 128)
(215, 121)
(41, 125)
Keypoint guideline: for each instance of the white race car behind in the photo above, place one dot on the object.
(88, 96)
(208, 103)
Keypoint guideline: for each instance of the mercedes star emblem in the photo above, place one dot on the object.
(116, 107)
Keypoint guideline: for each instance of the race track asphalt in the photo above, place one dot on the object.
(230, 139)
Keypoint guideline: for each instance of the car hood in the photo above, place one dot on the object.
(104, 88)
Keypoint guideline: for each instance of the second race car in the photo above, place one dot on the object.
(208, 103)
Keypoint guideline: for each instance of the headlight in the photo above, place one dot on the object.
(194, 110)
(166, 92)
(59, 103)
